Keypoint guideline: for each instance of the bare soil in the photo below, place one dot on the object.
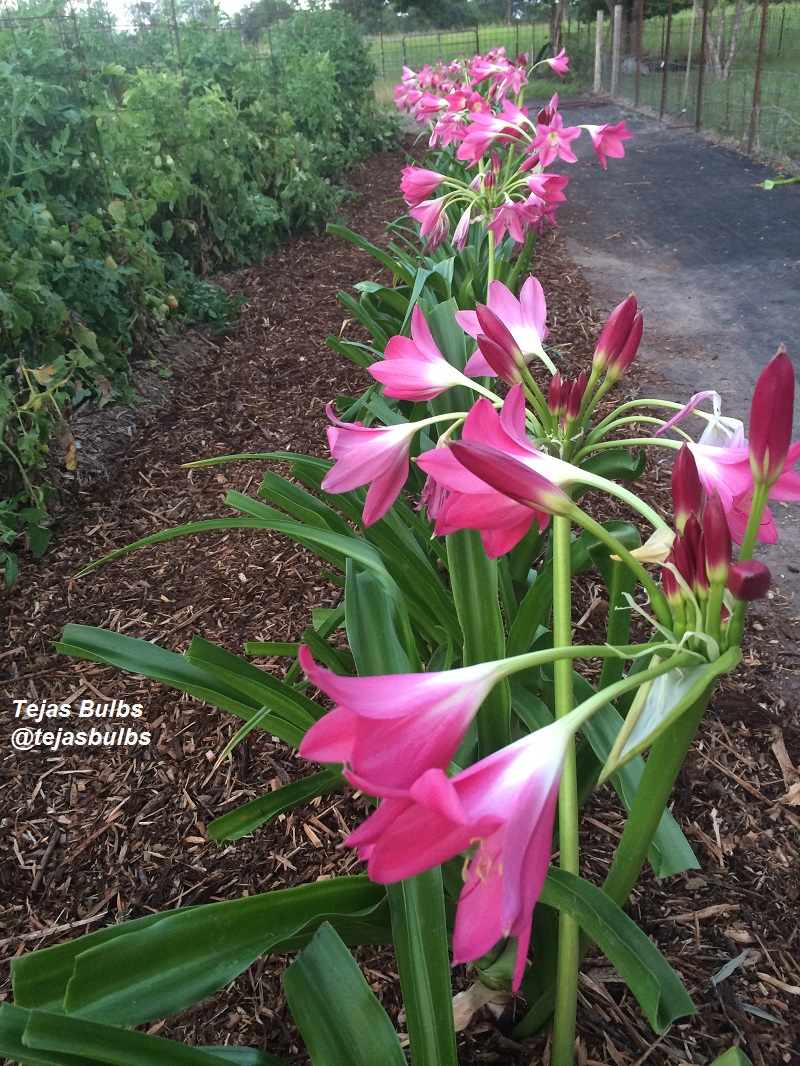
(95, 837)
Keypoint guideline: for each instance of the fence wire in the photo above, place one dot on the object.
(732, 70)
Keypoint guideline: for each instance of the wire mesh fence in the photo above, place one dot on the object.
(733, 70)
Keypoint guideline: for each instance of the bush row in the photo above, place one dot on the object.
(122, 186)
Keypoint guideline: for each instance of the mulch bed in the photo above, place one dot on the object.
(95, 837)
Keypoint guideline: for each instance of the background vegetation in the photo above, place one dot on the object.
(132, 164)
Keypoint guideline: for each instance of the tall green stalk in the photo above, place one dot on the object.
(569, 933)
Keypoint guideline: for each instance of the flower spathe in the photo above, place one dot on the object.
(506, 804)
(389, 730)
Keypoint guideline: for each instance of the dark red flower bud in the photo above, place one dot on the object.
(717, 543)
(576, 394)
(749, 580)
(629, 349)
(615, 334)
(557, 396)
(771, 419)
(687, 492)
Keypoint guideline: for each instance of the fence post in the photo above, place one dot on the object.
(689, 54)
(403, 50)
(615, 51)
(639, 38)
(701, 71)
(751, 133)
(598, 54)
(665, 70)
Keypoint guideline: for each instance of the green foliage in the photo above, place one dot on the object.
(123, 183)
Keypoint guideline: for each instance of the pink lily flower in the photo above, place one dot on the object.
(461, 232)
(506, 803)
(389, 730)
(366, 456)
(429, 105)
(480, 502)
(559, 63)
(552, 141)
(415, 369)
(433, 221)
(548, 187)
(450, 127)
(486, 128)
(512, 218)
(524, 318)
(417, 184)
(723, 458)
(607, 141)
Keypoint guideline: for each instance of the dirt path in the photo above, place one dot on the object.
(714, 261)
(94, 838)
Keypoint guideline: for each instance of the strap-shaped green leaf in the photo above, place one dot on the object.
(58, 1040)
(733, 1057)
(150, 968)
(474, 580)
(420, 941)
(141, 657)
(338, 1015)
(646, 972)
(383, 257)
(262, 687)
(243, 820)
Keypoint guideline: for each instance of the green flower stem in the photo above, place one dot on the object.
(628, 442)
(760, 496)
(585, 477)
(523, 261)
(569, 932)
(601, 427)
(536, 396)
(490, 268)
(594, 374)
(658, 779)
(658, 600)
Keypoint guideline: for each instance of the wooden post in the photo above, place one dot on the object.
(598, 54)
(615, 51)
(752, 132)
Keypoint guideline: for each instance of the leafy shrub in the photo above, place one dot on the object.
(123, 183)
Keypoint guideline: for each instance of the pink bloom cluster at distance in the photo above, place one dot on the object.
(467, 105)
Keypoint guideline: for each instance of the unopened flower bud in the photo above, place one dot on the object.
(615, 334)
(687, 492)
(576, 394)
(716, 540)
(557, 396)
(749, 580)
(771, 419)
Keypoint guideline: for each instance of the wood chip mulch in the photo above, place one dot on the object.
(95, 837)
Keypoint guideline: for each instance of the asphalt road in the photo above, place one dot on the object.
(713, 260)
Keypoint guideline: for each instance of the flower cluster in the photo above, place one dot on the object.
(396, 736)
(469, 106)
(516, 461)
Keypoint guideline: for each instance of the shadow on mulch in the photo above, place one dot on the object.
(95, 837)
